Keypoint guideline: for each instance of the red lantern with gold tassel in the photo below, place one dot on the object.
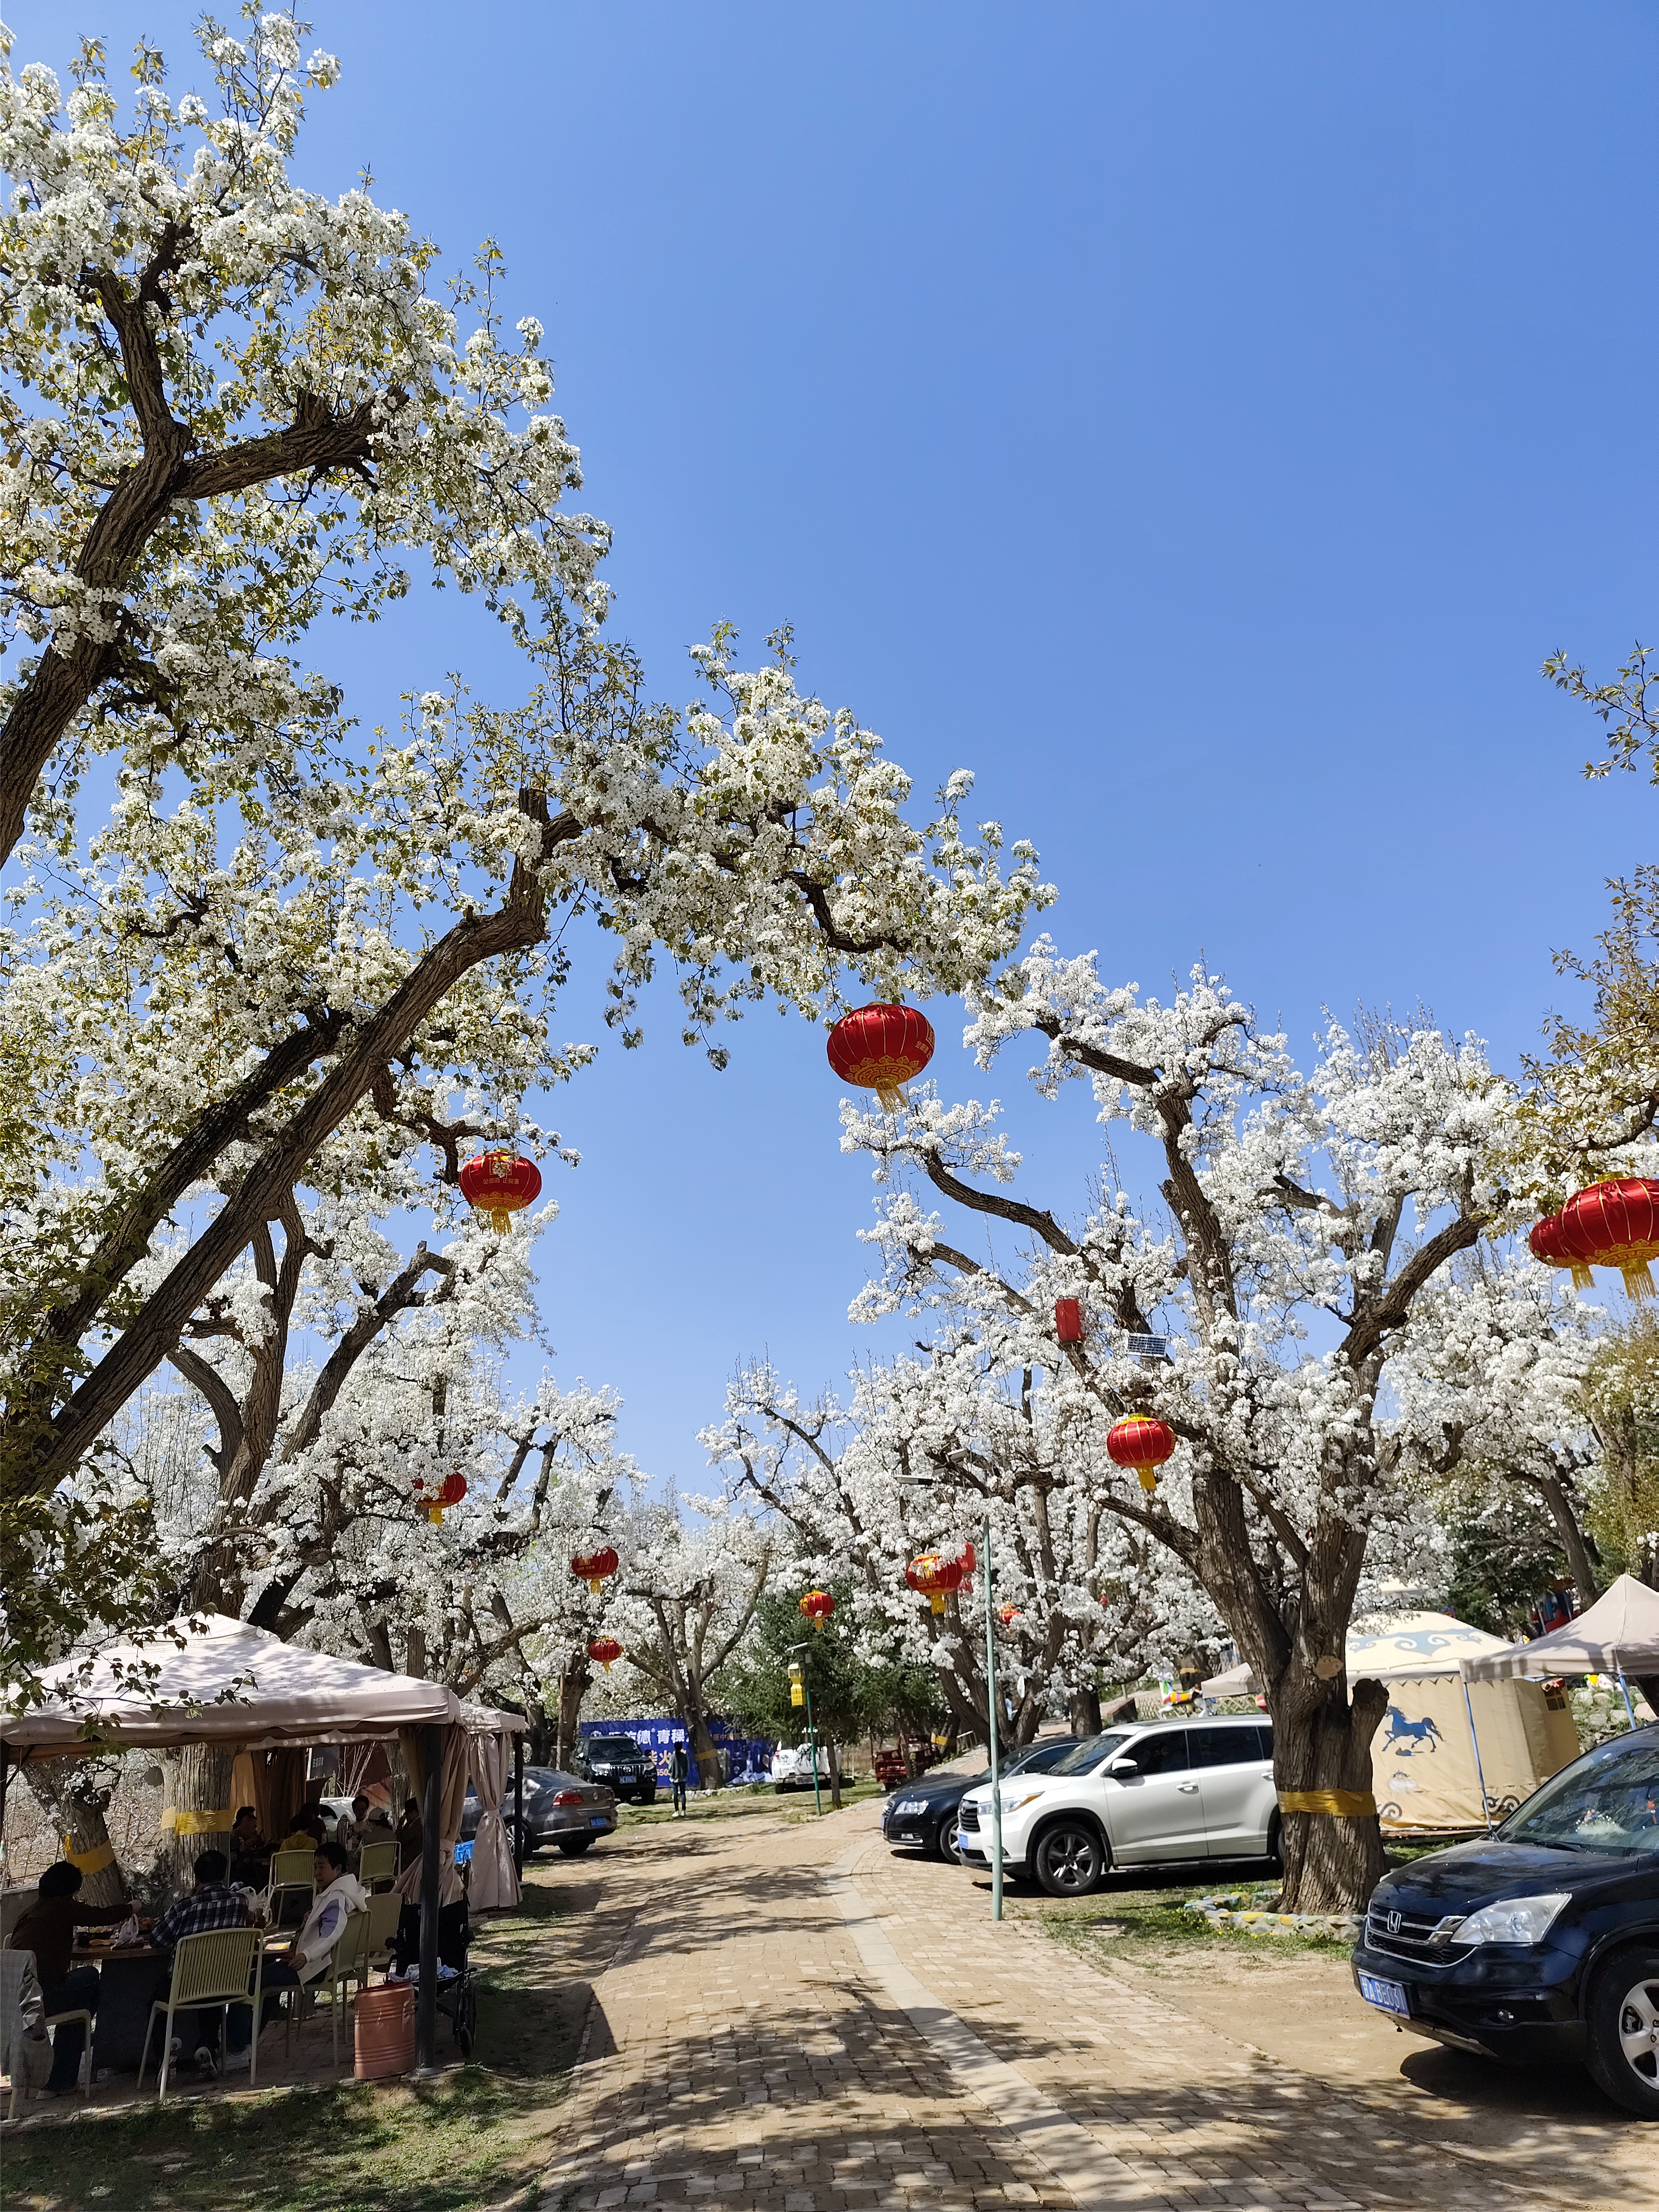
(1008, 1614)
(449, 1491)
(595, 1568)
(1549, 1243)
(1142, 1443)
(934, 1576)
(499, 1183)
(880, 1047)
(1615, 1224)
(604, 1649)
(817, 1605)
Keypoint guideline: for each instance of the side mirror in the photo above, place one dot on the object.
(1122, 1768)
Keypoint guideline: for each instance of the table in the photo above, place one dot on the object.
(127, 1980)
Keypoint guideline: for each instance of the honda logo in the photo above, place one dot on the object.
(1394, 1919)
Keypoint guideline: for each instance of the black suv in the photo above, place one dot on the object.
(1542, 1941)
(925, 1812)
(621, 1763)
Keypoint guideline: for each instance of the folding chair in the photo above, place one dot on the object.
(345, 1965)
(384, 1914)
(377, 1863)
(213, 1968)
(291, 1871)
(60, 2020)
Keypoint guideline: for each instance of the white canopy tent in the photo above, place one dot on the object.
(230, 1684)
(1618, 1635)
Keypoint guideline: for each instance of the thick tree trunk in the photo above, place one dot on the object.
(703, 1747)
(1574, 1542)
(573, 1689)
(197, 1784)
(76, 1803)
(1333, 1858)
(833, 1752)
(1085, 1712)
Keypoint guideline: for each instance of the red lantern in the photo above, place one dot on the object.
(933, 1576)
(1615, 1224)
(817, 1605)
(1549, 1243)
(880, 1047)
(1142, 1443)
(604, 1649)
(1008, 1614)
(1068, 1321)
(499, 1183)
(449, 1491)
(594, 1567)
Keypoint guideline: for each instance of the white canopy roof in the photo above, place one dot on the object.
(232, 1683)
(1405, 1647)
(1618, 1635)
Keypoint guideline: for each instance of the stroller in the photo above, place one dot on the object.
(458, 1985)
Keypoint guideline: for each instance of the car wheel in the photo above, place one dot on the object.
(1070, 1860)
(645, 1797)
(945, 1841)
(572, 1846)
(1276, 1843)
(1622, 2021)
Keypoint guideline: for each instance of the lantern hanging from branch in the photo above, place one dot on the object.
(1615, 1224)
(880, 1047)
(934, 1576)
(595, 1568)
(499, 1183)
(1549, 1243)
(433, 1499)
(1068, 1321)
(604, 1649)
(1008, 1614)
(1142, 1443)
(817, 1605)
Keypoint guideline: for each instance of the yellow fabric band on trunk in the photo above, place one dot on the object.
(175, 1823)
(92, 1862)
(1343, 1804)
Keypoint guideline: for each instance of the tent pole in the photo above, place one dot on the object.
(518, 1806)
(1474, 1740)
(426, 2003)
(1629, 1710)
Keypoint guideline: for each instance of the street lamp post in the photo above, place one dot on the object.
(797, 1681)
(991, 1713)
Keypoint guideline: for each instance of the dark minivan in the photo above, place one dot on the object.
(1542, 1941)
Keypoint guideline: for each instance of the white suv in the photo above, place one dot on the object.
(1166, 1789)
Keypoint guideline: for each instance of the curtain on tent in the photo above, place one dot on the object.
(275, 1781)
(451, 1797)
(495, 1885)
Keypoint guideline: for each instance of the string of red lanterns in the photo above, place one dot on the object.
(1612, 1223)
(500, 1183)
(880, 1047)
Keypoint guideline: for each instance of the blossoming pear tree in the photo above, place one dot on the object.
(923, 1451)
(1298, 1219)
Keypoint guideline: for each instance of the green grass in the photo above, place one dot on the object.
(1142, 1926)
(472, 2139)
(734, 1804)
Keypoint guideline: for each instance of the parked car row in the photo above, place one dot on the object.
(1537, 1943)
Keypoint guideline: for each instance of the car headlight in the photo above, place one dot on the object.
(1512, 1920)
(1025, 1797)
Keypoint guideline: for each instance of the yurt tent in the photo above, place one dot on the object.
(1436, 1746)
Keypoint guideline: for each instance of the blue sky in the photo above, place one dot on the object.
(1201, 421)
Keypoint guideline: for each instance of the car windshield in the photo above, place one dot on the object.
(1088, 1754)
(612, 1746)
(1608, 1801)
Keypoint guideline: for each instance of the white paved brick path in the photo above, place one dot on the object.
(794, 2022)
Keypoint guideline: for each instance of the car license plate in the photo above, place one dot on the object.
(1386, 1996)
(598, 1821)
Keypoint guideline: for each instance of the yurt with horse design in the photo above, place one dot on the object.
(1435, 1748)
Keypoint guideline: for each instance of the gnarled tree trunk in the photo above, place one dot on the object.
(75, 1801)
(1333, 1854)
(198, 1792)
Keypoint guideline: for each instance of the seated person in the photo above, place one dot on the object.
(48, 1928)
(407, 1835)
(374, 1822)
(339, 1894)
(250, 1854)
(307, 1831)
(212, 1903)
